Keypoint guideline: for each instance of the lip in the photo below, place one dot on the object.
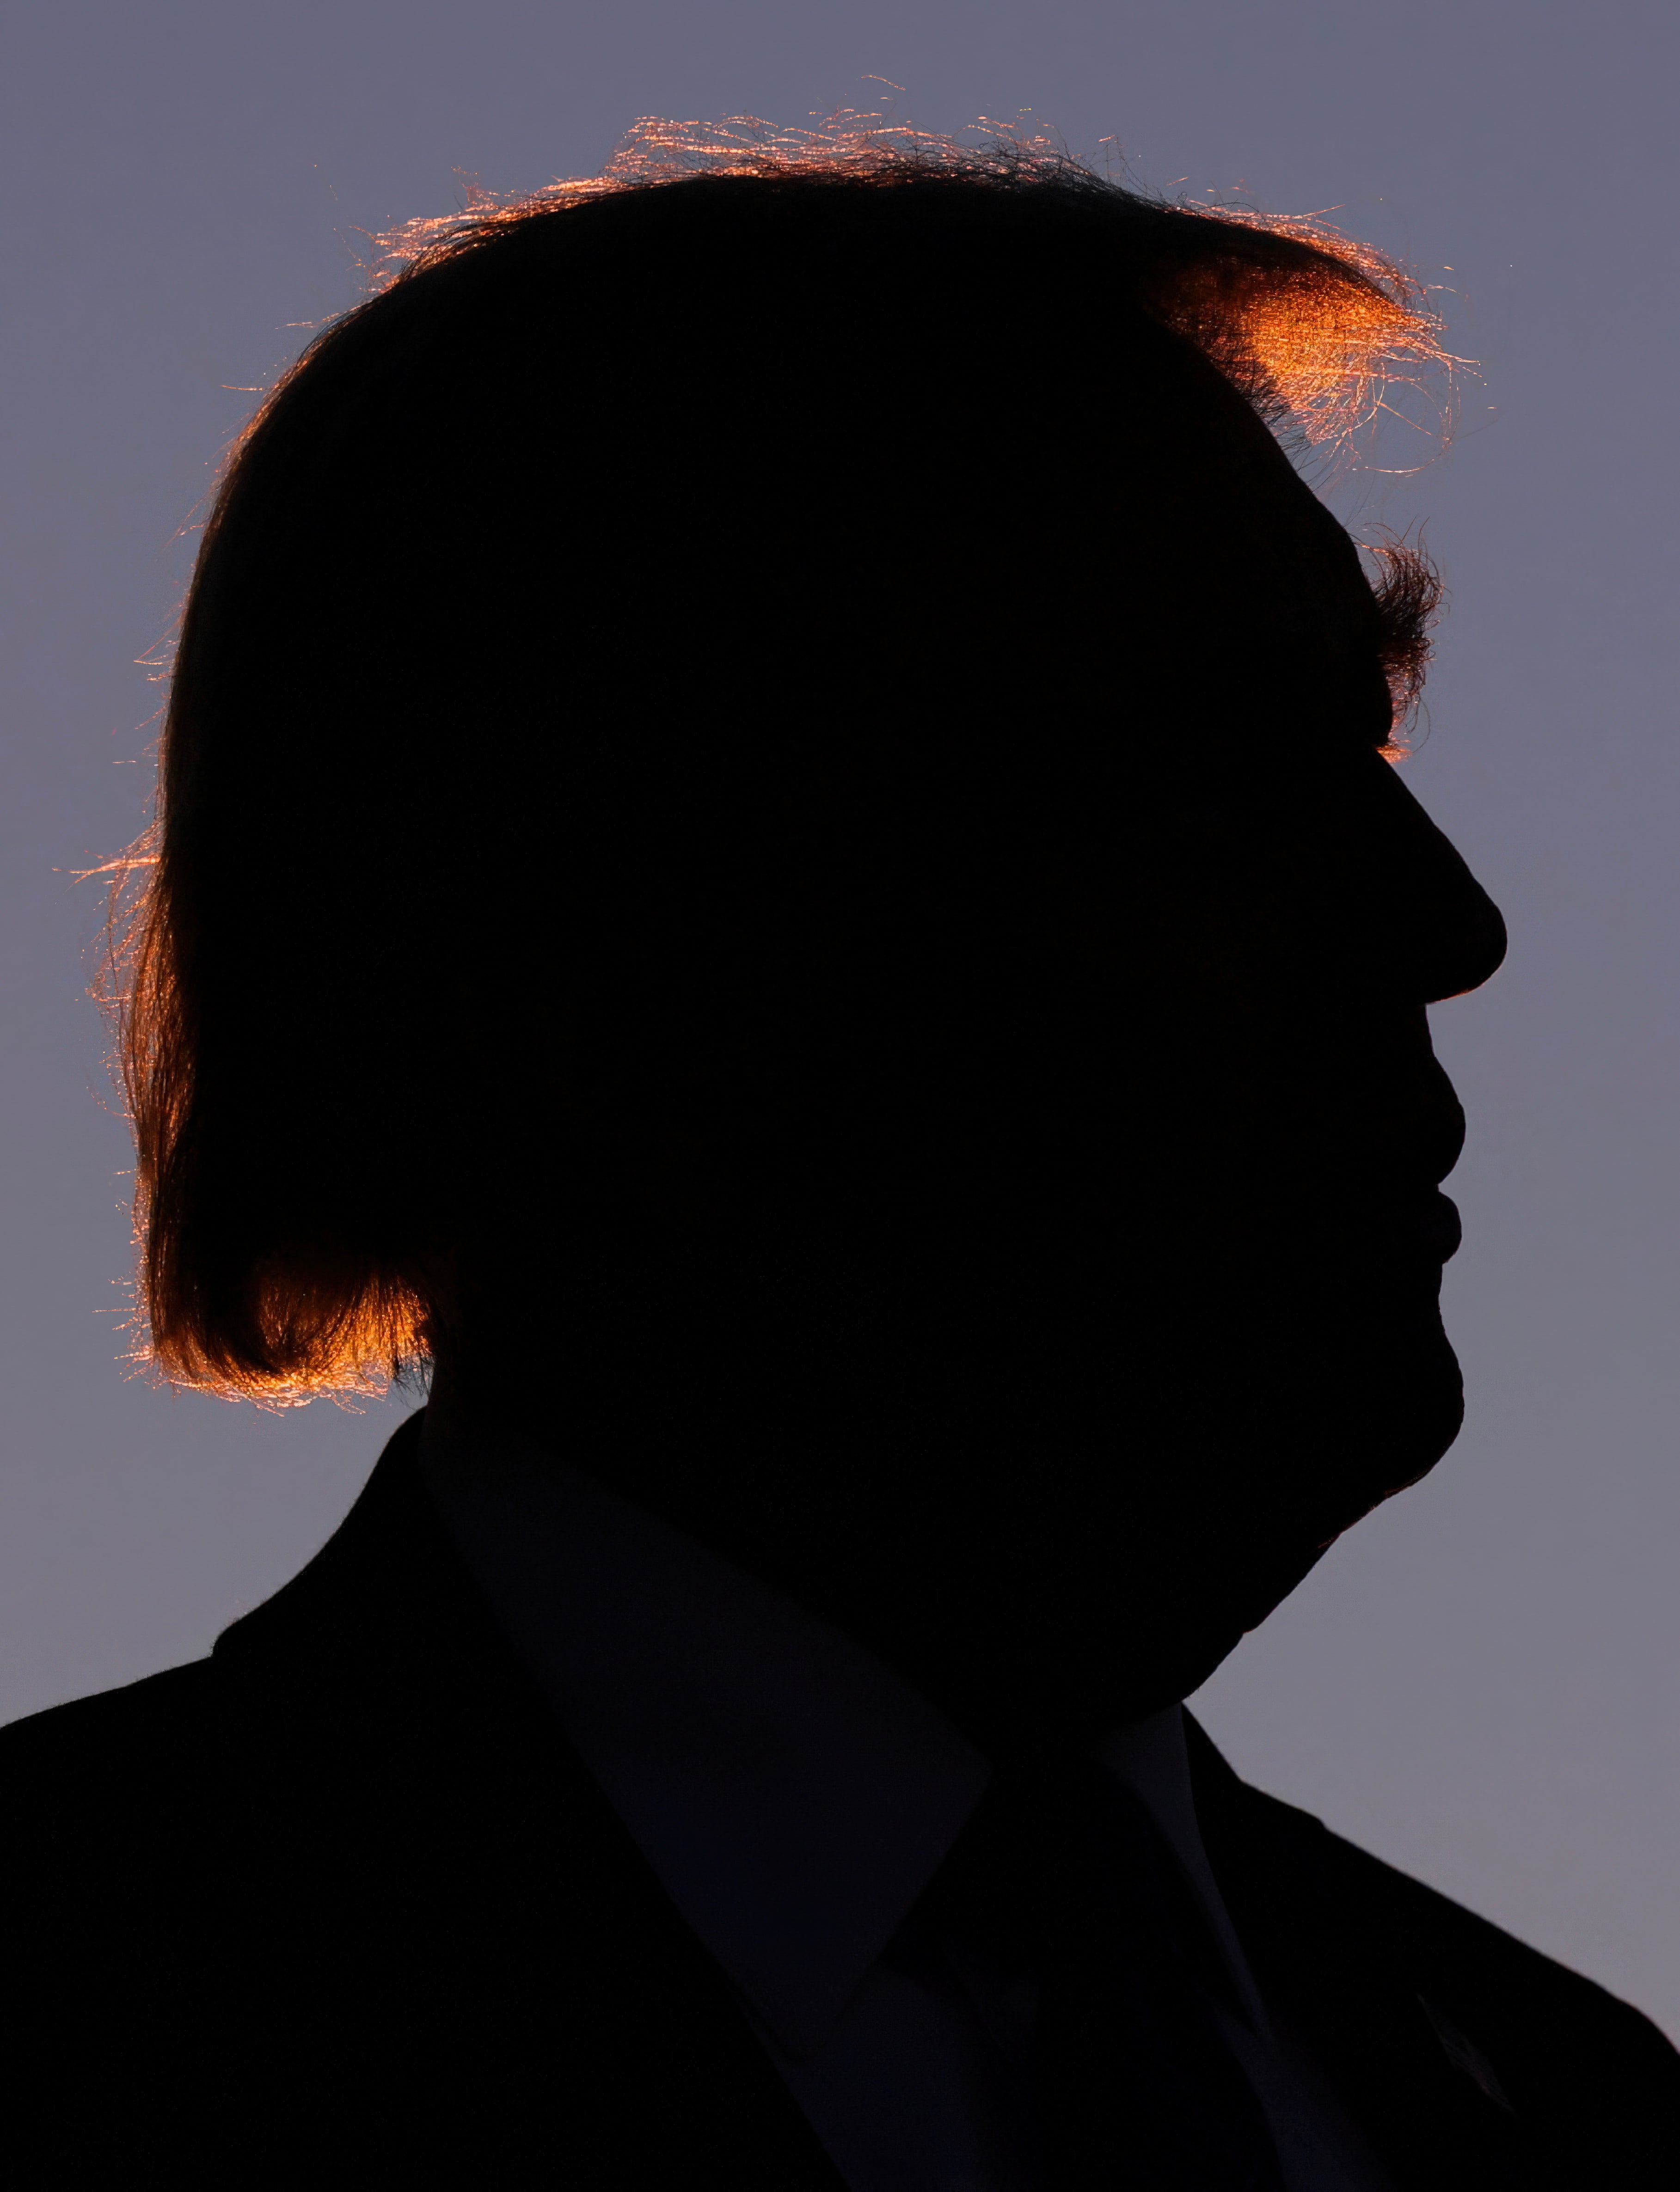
(1433, 1226)
(1421, 1231)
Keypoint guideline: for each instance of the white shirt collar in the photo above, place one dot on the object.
(792, 1795)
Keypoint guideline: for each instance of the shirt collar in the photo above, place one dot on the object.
(792, 1793)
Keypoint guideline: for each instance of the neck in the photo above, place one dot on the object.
(988, 1558)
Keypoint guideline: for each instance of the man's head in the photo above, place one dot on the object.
(773, 825)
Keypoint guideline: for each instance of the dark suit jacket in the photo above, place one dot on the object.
(340, 1904)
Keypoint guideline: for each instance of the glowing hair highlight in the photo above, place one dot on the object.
(1319, 337)
(1314, 329)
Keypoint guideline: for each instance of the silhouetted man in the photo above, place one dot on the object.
(776, 850)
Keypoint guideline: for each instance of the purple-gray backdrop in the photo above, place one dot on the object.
(1480, 1684)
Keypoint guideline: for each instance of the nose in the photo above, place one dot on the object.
(1464, 940)
(1451, 935)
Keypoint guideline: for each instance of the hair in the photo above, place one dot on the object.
(597, 624)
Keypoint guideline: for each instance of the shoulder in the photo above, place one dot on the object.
(1469, 1957)
(98, 1803)
(101, 1809)
(90, 1749)
(118, 1720)
(1587, 2075)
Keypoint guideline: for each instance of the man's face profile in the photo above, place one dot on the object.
(780, 863)
(931, 1075)
(1193, 1327)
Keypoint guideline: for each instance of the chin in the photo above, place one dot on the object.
(1156, 1529)
(1407, 1413)
(1318, 1442)
(1384, 1411)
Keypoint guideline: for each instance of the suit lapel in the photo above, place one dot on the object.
(514, 1999)
(467, 1973)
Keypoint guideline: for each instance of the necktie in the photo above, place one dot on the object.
(1062, 1876)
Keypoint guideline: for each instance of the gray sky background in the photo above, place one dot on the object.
(1480, 1684)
